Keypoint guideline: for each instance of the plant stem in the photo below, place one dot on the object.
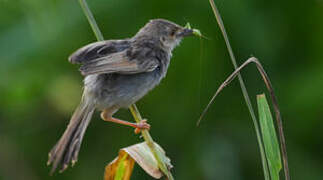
(133, 108)
(243, 88)
(150, 142)
(273, 99)
(91, 20)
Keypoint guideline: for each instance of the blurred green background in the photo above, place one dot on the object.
(39, 89)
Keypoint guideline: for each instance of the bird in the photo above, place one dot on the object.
(117, 73)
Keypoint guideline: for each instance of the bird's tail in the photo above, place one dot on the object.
(67, 148)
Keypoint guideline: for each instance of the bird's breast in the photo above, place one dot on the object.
(121, 90)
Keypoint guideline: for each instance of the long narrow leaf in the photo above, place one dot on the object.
(243, 87)
(269, 137)
(276, 110)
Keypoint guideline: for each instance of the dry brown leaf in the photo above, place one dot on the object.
(120, 168)
(139, 153)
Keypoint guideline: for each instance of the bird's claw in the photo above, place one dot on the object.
(142, 125)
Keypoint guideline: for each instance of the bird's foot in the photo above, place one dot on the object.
(142, 125)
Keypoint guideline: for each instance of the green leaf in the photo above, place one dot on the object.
(121, 168)
(269, 137)
(196, 32)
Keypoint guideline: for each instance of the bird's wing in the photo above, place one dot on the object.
(119, 63)
(97, 50)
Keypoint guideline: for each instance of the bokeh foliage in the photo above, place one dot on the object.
(39, 89)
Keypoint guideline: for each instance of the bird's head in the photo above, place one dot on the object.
(168, 33)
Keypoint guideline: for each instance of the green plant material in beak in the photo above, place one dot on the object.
(196, 32)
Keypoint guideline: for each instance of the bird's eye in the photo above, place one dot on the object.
(172, 33)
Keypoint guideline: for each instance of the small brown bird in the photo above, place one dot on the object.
(117, 74)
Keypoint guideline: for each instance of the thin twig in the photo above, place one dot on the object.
(133, 108)
(274, 101)
(243, 88)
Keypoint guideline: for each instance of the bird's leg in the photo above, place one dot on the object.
(106, 116)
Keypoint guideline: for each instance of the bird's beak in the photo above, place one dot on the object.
(185, 32)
